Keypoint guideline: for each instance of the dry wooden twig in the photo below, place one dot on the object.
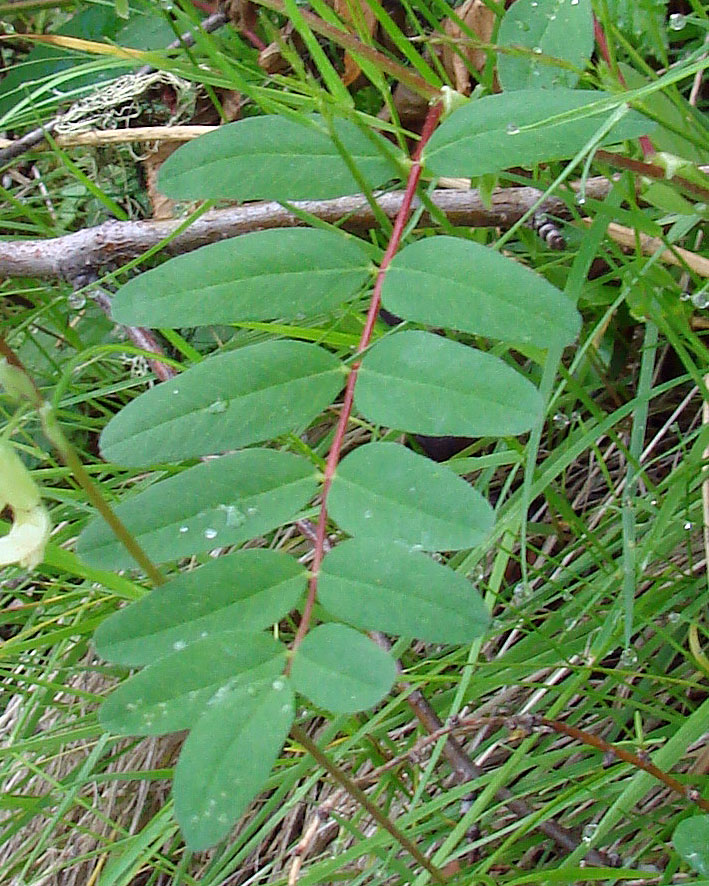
(112, 243)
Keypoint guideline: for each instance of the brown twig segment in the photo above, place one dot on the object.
(639, 762)
(402, 216)
(114, 242)
(212, 23)
(141, 338)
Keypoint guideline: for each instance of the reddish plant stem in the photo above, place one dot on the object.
(598, 32)
(333, 457)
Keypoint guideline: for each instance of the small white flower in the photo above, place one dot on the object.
(26, 541)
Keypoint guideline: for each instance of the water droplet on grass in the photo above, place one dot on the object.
(512, 129)
(178, 645)
(701, 299)
(677, 21)
(589, 830)
(210, 533)
(628, 658)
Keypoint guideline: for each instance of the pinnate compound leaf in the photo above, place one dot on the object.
(248, 590)
(227, 758)
(276, 158)
(288, 273)
(173, 692)
(520, 129)
(384, 490)
(560, 29)
(221, 502)
(426, 384)
(691, 840)
(224, 402)
(377, 585)
(448, 281)
(341, 670)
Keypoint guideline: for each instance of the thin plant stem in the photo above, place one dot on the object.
(302, 737)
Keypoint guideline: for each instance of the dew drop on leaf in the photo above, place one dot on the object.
(210, 533)
(218, 406)
(76, 301)
(278, 685)
(537, 50)
(178, 645)
(700, 300)
(233, 515)
(677, 21)
(184, 529)
(512, 129)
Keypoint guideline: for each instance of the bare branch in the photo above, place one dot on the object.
(112, 243)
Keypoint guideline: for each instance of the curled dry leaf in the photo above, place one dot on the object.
(460, 51)
(358, 14)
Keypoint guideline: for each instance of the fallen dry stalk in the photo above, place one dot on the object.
(630, 239)
(96, 138)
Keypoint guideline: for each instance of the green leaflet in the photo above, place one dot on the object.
(289, 273)
(173, 692)
(517, 129)
(384, 490)
(341, 670)
(448, 281)
(276, 158)
(426, 384)
(376, 585)
(691, 840)
(247, 590)
(226, 401)
(556, 28)
(228, 756)
(221, 502)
